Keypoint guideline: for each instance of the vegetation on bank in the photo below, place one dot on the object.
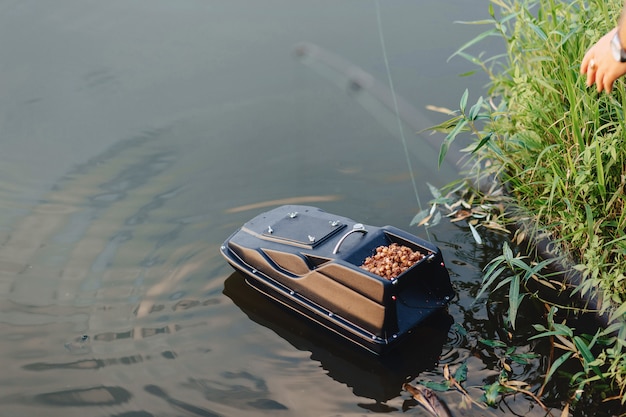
(558, 149)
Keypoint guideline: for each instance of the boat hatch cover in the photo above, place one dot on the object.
(300, 229)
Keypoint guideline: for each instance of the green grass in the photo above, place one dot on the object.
(559, 149)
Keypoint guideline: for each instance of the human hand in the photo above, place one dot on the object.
(600, 66)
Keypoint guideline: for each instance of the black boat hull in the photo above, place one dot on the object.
(321, 278)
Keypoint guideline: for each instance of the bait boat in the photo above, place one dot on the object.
(312, 261)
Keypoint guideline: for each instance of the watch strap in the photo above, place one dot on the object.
(619, 53)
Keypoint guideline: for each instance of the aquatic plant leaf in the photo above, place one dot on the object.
(434, 191)
(545, 333)
(456, 130)
(483, 141)
(480, 37)
(504, 376)
(446, 126)
(502, 283)
(540, 279)
(475, 234)
(436, 219)
(523, 358)
(439, 109)
(450, 138)
(443, 151)
(419, 217)
(606, 335)
(515, 299)
(459, 329)
(538, 31)
(428, 399)
(492, 393)
(475, 109)
(489, 278)
(492, 343)
(520, 264)
(589, 215)
(600, 172)
(565, 344)
(555, 365)
(617, 314)
(437, 386)
(474, 22)
(425, 220)
(463, 101)
(562, 329)
(507, 252)
(460, 215)
(515, 384)
(585, 352)
(551, 313)
(461, 374)
(469, 57)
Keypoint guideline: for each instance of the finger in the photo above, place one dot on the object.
(592, 72)
(602, 82)
(599, 81)
(591, 78)
(605, 82)
(608, 84)
(584, 65)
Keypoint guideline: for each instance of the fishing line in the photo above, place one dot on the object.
(396, 109)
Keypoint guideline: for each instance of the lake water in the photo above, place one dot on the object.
(137, 135)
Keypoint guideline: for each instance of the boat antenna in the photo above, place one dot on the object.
(395, 106)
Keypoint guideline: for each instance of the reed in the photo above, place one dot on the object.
(558, 148)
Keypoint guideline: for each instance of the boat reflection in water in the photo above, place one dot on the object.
(370, 376)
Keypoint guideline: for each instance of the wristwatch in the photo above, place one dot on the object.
(616, 47)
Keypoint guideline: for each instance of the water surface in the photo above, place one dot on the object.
(136, 136)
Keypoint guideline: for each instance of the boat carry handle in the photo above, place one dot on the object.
(357, 228)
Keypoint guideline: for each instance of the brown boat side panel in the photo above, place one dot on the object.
(359, 281)
(289, 261)
(324, 291)
(343, 301)
(251, 257)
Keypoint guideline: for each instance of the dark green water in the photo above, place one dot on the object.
(137, 135)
